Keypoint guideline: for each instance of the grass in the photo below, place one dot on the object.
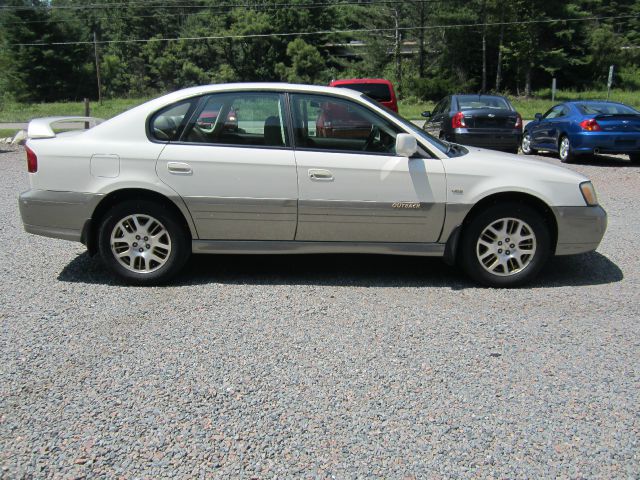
(409, 108)
(4, 133)
(528, 107)
(11, 112)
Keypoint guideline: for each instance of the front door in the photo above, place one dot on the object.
(233, 165)
(352, 185)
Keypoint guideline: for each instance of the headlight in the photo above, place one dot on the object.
(589, 193)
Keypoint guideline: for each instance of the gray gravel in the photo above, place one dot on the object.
(320, 366)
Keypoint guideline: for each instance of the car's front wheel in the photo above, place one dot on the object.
(505, 245)
(143, 242)
(565, 150)
(525, 145)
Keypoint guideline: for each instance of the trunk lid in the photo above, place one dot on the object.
(490, 118)
(618, 122)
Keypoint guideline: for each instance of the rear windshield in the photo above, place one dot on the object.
(469, 102)
(378, 91)
(605, 109)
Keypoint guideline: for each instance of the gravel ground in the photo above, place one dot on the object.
(320, 366)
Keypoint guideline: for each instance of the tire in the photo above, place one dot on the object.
(564, 150)
(634, 157)
(162, 242)
(525, 145)
(490, 235)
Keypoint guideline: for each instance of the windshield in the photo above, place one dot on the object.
(377, 91)
(449, 149)
(470, 102)
(605, 108)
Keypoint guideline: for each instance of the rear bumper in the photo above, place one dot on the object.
(606, 142)
(57, 214)
(580, 229)
(497, 140)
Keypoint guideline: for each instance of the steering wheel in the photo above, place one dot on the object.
(374, 135)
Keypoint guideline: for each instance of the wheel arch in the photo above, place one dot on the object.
(452, 244)
(91, 227)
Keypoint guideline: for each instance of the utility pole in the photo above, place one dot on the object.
(397, 50)
(95, 51)
(484, 46)
(421, 42)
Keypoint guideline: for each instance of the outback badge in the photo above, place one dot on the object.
(405, 205)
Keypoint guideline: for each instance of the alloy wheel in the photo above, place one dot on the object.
(140, 243)
(506, 246)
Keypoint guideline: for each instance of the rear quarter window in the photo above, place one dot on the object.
(167, 124)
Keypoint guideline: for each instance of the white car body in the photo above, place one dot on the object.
(248, 199)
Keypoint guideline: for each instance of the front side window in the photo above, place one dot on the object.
(330, 123)
(555, 112)
(167, 124)
(254, 119)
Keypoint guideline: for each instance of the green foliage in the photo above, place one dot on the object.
(424, 60)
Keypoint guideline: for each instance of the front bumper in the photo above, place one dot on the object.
(57, 214)
(498, 140)
(580, 229)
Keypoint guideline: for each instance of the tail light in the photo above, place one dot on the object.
(518, 124)
(32, 161)
(590, 125)
(458, 121)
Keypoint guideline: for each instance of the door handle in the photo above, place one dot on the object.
(179, 168)
(320, 175)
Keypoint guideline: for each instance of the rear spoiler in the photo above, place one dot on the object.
(42, 127)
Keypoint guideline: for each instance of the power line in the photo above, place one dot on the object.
(326, 32)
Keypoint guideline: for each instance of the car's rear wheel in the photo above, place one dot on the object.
(143, 242)
(525, 145)
(634, 157)
(565, 150)
(506, 245)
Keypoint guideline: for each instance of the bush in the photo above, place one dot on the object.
(435, 88)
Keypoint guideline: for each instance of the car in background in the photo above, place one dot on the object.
(585, 127)
(487, 121)
(378, 89)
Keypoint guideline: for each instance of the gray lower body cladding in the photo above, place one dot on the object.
(257, 226)
(57, 214)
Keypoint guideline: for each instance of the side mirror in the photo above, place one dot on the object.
(538, 116)
(426, 114)
(406, 145)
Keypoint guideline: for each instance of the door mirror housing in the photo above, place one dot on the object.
(406, 145)
(538, 116)
(426, 114)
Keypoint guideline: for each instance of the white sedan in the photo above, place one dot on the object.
(285, 169)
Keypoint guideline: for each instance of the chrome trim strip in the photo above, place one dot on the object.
(257, 247)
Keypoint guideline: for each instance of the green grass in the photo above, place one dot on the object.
(4, 133)
(528, 107)
(409, 108)
(23, 112)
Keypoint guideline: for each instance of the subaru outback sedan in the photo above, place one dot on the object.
(149, 187)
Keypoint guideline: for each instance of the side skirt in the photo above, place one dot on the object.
(248, 247)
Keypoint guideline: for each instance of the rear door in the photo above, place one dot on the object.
(234, 166)
(355, 188)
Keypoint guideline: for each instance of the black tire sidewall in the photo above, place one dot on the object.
(180, 247)
(477, 224)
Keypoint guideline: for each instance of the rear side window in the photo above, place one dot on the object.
(251, 119)
(469, 102)
(377, 91)
(605, 109)
(167, 124)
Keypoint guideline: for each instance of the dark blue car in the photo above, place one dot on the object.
(585, 127)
